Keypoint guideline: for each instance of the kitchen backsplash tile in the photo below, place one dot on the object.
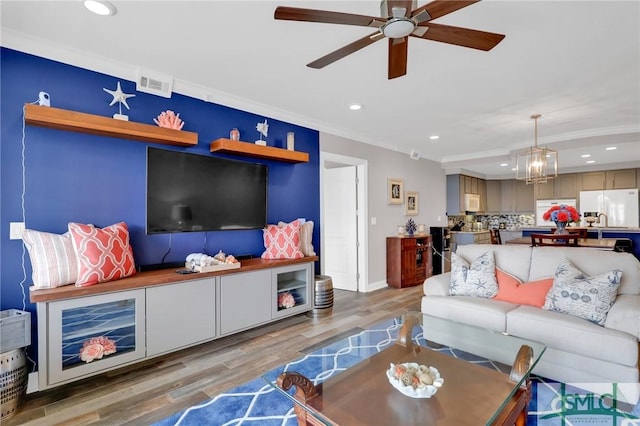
(512, 222)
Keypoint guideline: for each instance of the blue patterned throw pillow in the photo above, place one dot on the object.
(477, 279)
(585, 297)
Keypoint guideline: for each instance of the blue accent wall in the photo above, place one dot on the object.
(76, 177)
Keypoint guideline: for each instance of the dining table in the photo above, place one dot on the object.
(601, 243)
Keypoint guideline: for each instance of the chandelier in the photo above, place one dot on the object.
(536, 165)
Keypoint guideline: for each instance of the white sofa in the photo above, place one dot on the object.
(578, 351)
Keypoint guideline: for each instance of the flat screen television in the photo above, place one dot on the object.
(195, 193)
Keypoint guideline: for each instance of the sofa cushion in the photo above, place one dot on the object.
(487, 313)
(514, 259)
(579, 295)
(475, 279)
(545, 260)
(511, 289)
(572, 334)
(624, 315)
(437, 285)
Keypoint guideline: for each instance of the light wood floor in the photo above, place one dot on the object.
(152, 390)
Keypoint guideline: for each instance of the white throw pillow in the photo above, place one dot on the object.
(477, 279)
(53, 259)
(585, 297)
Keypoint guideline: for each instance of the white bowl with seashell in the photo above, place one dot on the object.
(414, 380)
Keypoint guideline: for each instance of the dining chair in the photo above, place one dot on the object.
(495, 236)
(555, 240)
(580, 231)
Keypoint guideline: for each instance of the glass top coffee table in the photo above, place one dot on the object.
(471, 394)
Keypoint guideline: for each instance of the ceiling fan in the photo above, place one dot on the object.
(399, 20)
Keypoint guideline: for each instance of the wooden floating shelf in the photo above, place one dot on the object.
(56, 118)
(227, 146)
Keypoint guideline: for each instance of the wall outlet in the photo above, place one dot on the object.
(15, 230)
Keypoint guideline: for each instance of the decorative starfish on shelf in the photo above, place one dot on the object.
(119, 97)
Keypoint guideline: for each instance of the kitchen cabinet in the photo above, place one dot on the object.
(564, 186)
(523, 198)
(470, 184)
(591, 181)
(457, 186)
(517, 197)
(610, 179)
(506, 199)
(620, 179)
(494, 196)
(482, 192)
(409, 260)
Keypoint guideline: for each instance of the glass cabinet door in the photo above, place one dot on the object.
(95, 333)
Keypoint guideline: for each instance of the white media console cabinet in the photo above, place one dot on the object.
(157, 312)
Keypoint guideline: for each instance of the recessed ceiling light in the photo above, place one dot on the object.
(610, 148)
(513, 169)
(100, 7)
(434, 137)
(591, 161)
(355, 107)
(503, 164)
(585, 155)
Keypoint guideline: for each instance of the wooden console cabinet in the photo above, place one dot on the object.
(409, 260)
(158, 312)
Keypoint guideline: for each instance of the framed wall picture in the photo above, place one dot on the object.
(395, 191)
(411, 203)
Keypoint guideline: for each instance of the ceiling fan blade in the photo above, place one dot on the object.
(438, 8)
(459, 36)
(397, 58)
(327, 17)
(344, 51)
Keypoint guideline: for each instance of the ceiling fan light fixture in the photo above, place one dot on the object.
(100, 7)
(398, 27)
(536, 165)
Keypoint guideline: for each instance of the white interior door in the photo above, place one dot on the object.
(340, 227)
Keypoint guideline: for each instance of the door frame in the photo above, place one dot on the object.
(361, 213)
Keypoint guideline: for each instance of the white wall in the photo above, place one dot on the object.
(424, 176)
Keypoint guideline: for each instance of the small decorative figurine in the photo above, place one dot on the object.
(234, 134)
(410, 227)
(169, 120)
(263, 129)
(291, 141)
(121, 98)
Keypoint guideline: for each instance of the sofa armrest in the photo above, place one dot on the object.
(437, 285)
(624, 315)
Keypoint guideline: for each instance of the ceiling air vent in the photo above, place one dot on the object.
(154, 83)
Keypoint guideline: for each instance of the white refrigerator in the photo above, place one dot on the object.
(620, 206)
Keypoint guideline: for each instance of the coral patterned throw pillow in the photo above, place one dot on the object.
(103, 254)
(282, 242)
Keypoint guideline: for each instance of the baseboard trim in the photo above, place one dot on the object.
(375, 286)
(32, 382)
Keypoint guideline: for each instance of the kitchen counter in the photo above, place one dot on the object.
(469, 237)
(632, 233)
(469, 232)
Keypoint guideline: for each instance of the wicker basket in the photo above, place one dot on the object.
(13, 381)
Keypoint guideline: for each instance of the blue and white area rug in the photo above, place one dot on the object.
(257, 403)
